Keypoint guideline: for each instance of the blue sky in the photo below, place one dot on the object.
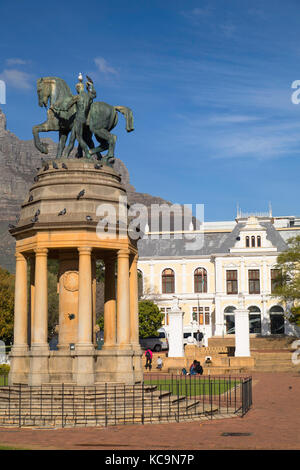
(209, 83)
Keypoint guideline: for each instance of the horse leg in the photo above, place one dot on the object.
(101, 148)
(103, 134)
(51, 124)
(63, 135)
(42, 147)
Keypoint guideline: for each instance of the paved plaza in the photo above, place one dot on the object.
(272, 424)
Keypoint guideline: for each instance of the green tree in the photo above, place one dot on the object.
(287, 283)
(150, 318)
(7, 287)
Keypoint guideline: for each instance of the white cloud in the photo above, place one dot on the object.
(232, 119)
(201, 11)
(16, 61)
(17, 79)
(104, 67)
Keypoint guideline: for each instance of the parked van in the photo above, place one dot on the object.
(156, 343)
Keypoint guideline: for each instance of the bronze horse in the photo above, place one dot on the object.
(53, 92)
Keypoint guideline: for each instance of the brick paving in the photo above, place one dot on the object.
(274, 424)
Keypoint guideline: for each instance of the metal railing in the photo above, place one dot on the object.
(159, 398)
(228, 393)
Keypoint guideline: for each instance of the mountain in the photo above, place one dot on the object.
(19, 160)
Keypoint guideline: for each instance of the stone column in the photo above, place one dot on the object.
(176, 332)
(123, 308)
(219, 291)
(94, 295)
(134, 308)
(134, 319)
(31, 293)
(19, 351)
(85, 350)
(40, 324)
(85, 319)
(20, 315)
(242, 338)
(39, 360)
(110, 336)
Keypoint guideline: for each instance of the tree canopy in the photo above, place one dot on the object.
(287, 285)
(150, 318)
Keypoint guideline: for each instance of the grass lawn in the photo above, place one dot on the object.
(194, 386)
(11, 448)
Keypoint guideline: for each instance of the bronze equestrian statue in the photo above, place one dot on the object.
(79, 115)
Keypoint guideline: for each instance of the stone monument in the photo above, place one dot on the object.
(60, 220)
(242, 338)
(176, 348)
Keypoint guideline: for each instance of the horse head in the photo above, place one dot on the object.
(43, 91)
(52, 88)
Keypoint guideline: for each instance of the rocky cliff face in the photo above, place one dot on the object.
(19, 160)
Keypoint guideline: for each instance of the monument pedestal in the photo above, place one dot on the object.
(70, 202)
(84, 365)
(118, 365)
(39, 365)
(19, 365)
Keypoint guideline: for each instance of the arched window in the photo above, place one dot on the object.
(254, 319)
(229, 319)
(200, 280)
(253, 241)
(277, 320)
(247, 241)
(168, 281)
(259, 241)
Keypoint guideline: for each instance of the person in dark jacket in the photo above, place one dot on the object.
(148, 355)
(198, 368)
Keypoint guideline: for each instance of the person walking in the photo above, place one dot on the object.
(159, 363)
(148, 355)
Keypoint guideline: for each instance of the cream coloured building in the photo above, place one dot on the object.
(230, 263)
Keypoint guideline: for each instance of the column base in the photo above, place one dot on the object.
(39, 365)
(19, 365)
(117, 365)
(84, 365)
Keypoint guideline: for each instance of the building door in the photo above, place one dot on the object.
(277, 324)
(277, 320)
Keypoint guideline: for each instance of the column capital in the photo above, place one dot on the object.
(123, 253)
(85, 250)
(41, 251)
(20, 256)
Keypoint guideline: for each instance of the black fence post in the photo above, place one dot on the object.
(62, 404)
(143, 402)
(20, 403)
(210, 397)
(74, 419)
(178, 409)
(105, 404)
(124, 404)
(30, 400)
(115, 403)
(133, 403)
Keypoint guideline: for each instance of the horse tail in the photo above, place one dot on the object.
(128, 116)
